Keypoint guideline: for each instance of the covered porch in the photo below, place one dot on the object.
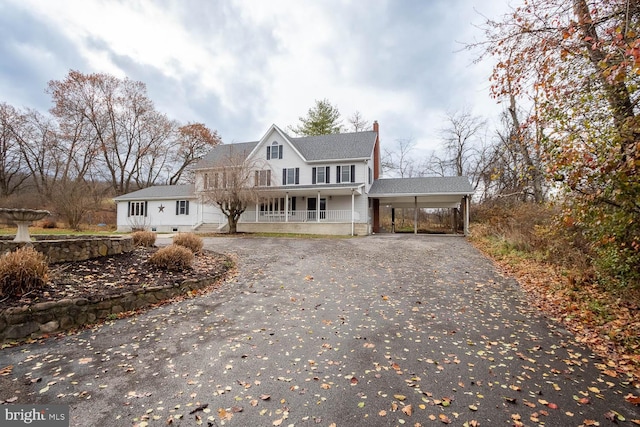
(309, 205)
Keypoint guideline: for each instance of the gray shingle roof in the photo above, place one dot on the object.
(339, 146)
(356, 145)
(221, 153)
(421, 186)
(160, 192)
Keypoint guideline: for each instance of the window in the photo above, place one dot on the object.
(274, 151)
(206, 181)
(290, 176)
(182, 207)
(137, 209)
(370, 175)
(320, 175)
(346, 173)
(262, 178)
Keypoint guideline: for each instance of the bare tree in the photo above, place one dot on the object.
(231, 184)
(516, 164)
(465, 152)
(399, 160)
(13, 174)
(123, 123)
(358, 123)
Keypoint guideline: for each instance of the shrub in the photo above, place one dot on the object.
(49, 223)
(190, 241)
(172, 257)
(144, 238)
(22, 271)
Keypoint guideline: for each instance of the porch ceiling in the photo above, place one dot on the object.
(311, 190)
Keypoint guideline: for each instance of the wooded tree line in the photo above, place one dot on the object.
(575, 65)
(103, 137)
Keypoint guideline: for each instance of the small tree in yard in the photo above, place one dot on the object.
(231, 185)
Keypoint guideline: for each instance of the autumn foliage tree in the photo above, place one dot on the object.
(104, 137)
(580, 61)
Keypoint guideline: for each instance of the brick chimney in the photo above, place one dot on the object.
(376, 151)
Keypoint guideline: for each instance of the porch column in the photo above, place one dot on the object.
(318, 208)
(286, 207)
(257, 211)
(353, 213)
(415, 214)
(466, 215)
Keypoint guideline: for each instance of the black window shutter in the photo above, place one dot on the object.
(187, 208)
(177, 207)
(146, 204)
(280, 152)
(326, 175)
(353, 173)
(338, 177)
(313, 175)
(256, 179)
(268, 152)
(128, 208)
(293, 203)
(297, 175)
(284, 177)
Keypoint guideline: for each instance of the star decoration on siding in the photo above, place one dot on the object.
(160, 208)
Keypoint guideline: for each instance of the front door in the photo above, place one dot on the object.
(312, 207)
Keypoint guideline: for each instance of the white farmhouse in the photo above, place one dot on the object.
(327, 184)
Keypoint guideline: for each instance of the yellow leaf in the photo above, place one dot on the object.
(400, 397)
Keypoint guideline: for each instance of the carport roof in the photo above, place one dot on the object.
(427, 192)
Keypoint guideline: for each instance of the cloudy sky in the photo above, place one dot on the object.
(240, 65)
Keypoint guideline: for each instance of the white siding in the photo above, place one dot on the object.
(162, 221)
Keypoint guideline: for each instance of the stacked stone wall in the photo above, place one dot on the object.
(56, 316)
(72, 248)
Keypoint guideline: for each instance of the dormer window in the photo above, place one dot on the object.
(274, 151)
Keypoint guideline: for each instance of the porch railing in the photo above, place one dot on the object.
(300, 216)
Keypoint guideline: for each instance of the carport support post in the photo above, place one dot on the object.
(415, 214)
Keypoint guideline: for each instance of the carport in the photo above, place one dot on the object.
(421, 192)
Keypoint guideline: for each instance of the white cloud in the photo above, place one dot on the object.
(240, 66)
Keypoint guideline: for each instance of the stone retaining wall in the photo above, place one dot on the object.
(56, 316)
(72, 248)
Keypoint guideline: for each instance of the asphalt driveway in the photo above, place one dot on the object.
(382, 330)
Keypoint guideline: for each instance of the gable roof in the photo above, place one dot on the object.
(433, 185)
(333, 147)
(223, 152)
(160, 192)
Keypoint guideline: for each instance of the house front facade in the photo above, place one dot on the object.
(312, 185)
